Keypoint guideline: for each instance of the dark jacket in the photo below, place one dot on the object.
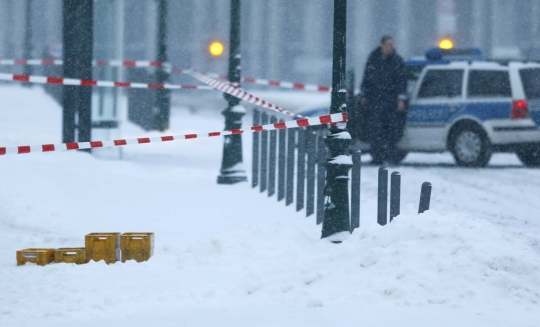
(384, 78)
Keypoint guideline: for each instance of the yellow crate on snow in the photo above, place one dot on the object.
(41, 257)
(137, 246)
(70, 255)
(102, 246)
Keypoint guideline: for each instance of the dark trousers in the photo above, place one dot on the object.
(385, 131)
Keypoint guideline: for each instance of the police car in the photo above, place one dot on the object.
(460, 103)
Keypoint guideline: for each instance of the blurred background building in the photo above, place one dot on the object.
(291, 39)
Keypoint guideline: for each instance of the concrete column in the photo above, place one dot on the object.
(504, 43)
(535, 26)
(313, 41)
(4, 13)
(150, 36)
(254, 45)
(360, 35)
(107, 31)
(403, 31)
(275, 23)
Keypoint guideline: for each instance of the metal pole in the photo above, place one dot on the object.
(382, 197)
(163, 95)
(264, 154)
(256, 147)
(425, 197)
(289, 189)
(311, 162)
(355, 190)
(301, 169)
(336, 214)
(395, 195)
(272, 160)
(232, 171)
(78, 41)
(321, 177)
(281, 164)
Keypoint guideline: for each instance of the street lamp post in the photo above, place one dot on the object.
(232, 170)
(336, 210)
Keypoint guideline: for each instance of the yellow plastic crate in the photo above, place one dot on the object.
(102, 246)
(41, 257)
(137, 246)
(70, 255)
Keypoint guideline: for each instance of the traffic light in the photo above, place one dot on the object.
(446, 44)
(216, 49)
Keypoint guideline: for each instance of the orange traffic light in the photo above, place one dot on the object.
(216, 48)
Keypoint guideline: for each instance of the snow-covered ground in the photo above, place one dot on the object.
(229, 256)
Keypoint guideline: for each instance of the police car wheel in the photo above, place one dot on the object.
(470, 146)
(530, 156)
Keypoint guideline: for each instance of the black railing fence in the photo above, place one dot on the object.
(293, 158)
(292, 161)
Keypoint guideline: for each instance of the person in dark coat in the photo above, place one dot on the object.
(382, 98)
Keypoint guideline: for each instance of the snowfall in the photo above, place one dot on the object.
(227, 255)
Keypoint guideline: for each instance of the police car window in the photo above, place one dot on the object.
(489, 83)
(531, 82)
(441, 83)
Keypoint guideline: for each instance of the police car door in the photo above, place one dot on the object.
(437, 98)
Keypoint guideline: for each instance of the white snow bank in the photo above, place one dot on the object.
(229, 256)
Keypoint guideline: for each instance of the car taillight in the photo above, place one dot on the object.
(520, 110)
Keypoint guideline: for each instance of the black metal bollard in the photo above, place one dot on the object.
(281, 164)
(321, 178)
(395, 195)
(425, 197)
(256, 147)
(311, 162)
(382, 197)
(272, 160)
(291, 144)
(264, 154)
(301, 170)
(355, 190)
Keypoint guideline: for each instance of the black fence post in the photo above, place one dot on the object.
(355, 190)
(395, 195)
(264, 153)
(256, 147)
(425, 197)
(301, 169)
(382, 198)
(321, 178)
(311, 162)
(291, 144)
(272, 161)
(281, 164)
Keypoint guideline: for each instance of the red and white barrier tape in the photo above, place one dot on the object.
(287, 85)
(147, 63)
(59, 62)
(88, 82)
(327, 119)
(241, 94)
